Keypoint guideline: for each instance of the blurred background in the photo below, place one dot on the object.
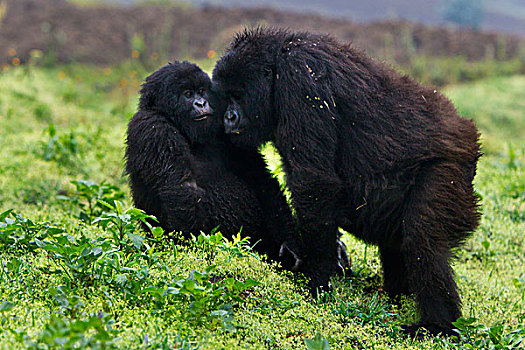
(437, 42)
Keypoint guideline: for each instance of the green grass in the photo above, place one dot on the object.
(498, 107)
(83, 277)
(441, 71)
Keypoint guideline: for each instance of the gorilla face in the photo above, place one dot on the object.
(194, 101)
(248, 92)
(180, 92)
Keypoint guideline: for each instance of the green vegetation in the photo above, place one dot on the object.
(498, 107)
(77, 271)
(441, 71)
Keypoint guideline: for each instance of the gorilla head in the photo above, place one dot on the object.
(246, 82)
(180, 92)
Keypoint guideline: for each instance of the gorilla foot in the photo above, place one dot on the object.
(344, 262)
(285, 251)
(419, 331)
(317, 288)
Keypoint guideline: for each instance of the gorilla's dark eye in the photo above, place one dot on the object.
(200, 91)
(188, 93)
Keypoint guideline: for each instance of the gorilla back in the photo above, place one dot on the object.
(365, 148)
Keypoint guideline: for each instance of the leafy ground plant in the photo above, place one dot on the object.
(317, 343)
(90, 198)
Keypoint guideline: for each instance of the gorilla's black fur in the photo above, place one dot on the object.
(364, 148)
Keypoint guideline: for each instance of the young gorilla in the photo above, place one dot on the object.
(176, 163)
(184, 174)
(363, 148)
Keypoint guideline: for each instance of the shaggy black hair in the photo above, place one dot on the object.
(364, 148)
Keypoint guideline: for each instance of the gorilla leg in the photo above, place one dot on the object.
(440, 212)
(394, 271)
(430, 278)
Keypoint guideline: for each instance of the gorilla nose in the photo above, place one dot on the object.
(231, 117)
(202, 107)
(230, 121)
(200, 103)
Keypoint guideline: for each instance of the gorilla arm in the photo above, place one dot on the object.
(250, 166)
(168, 182)
(160, 166)
(307, 139)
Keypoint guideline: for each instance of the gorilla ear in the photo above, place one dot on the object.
(147, 97)
(153, 88)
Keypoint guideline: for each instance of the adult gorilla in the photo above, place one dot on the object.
(364, 148)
